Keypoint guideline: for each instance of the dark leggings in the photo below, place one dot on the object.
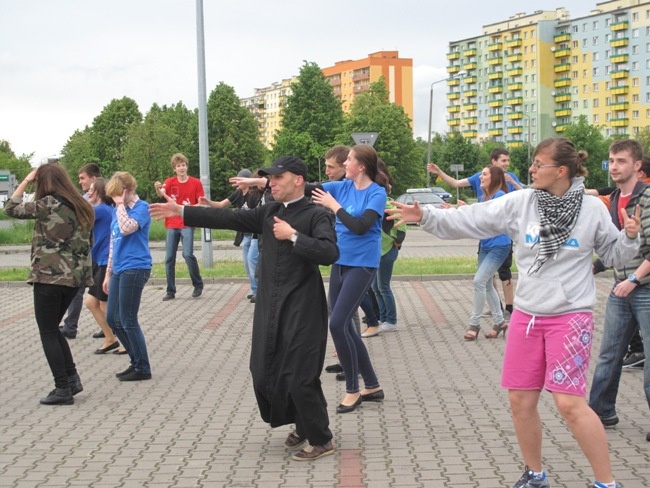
(348, 285)
(50, 304)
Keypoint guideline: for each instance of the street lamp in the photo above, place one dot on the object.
(529, 141)
(460, 74)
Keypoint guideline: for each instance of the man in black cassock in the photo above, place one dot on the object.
(290, 323)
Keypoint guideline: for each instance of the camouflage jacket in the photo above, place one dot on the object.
(60, 248)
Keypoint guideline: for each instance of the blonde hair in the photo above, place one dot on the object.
(120, 181)
(179, 158)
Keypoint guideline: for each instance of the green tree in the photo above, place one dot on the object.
(311, 119)
(78, 151)
(372, 111)
(233, 138)
(643, 137)
(589, 138)
(453, 148)
(18, 166)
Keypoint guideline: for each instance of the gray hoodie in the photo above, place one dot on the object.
(565, 283)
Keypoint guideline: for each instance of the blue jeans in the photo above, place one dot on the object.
(250, 253)
(173, 237)
(348, 285)
(489, 261)
(124, 295)
(620, 316)
(382, 289)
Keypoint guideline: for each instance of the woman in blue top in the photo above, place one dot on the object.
(358, 202)
(129, 267)
(96, 300)
(491, 254)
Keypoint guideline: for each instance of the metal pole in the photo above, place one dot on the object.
(529, 161)
(204, 163)
(429, 134)
(457, 190)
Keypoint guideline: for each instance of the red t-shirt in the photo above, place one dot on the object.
(622, 203)
(186, 193)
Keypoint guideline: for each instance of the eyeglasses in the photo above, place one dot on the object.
(540, 166)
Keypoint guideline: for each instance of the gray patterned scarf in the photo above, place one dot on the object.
(558, 217)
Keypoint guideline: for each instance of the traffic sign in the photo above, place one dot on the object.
(605, 165)
(456, 167)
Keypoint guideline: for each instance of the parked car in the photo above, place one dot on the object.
(441, 192)
(424, 196)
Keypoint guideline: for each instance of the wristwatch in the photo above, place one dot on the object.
(294, 237)
(633, 279)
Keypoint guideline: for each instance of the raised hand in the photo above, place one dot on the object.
(405, 213)
(433, 168)
(632, 223)
(325, 199)
(161, 211)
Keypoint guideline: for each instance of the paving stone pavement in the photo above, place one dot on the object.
(445, 421)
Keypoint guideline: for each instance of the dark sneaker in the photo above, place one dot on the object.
(334, 368)
(294, 441)
(634, 360)
(99, 335)
(529, 480)
(67, 334)
(253, 299)
(135, 376)
(75, 384)
(128, 370)
(168, 296)
(58, 396)
(609, 421)
(311, 453)
(197, 292)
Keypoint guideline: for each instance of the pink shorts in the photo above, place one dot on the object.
(548, 352)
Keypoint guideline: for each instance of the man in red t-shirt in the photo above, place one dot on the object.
(185, 190)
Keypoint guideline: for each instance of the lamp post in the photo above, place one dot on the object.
(460, 74)
(528, 145)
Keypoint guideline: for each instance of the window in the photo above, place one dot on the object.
(574, 75)
(584, 73)
(635, 49)
(584, 58)
(585, 88)
(594, 88)
(533, 92)
(575, 104)
(596, 119)
(584, 27)
(595, 41)
(574, 59)
(635, 33)
(533, 78)
(533, 63)
(595, 24)
(635, 82)
(575, 44)
(635, 16)
(533, 48)
(635, 98)
(595, 72)
(647, 47)
(584, 43)
(533, 106)
(607, 22)
(594, 56)
(594, 103)
(635, 114)
(585, 104)
(574, 28)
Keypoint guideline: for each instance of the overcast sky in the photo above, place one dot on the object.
(62, 61)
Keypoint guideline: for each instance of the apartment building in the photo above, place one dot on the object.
(348, 79)
(528, 77)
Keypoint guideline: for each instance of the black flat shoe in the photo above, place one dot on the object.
(375, 396)
(99, 335)
(340, 376)
(349, 408)
(135, 376)
(115, 345)
(334, 368)
(120, 352)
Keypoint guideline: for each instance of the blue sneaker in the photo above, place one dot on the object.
(597, 484)
(530, 480)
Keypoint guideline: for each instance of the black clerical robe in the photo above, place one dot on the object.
(290, 321)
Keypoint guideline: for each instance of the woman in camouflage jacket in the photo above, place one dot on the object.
(61, 264)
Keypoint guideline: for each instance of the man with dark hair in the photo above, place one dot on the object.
(334, 159)
(87, 174)
(290, 322)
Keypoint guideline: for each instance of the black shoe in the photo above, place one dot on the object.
(349, 408)
(376, 396)
(253, 299)
(75, 384)
(334, 368)
(135, 376)
(128, 370)
(58, 396)
(249, 296)
(647, 437)
(99, 335)
(634, 360)
(609, 421)
(340, 376)
(197, 292)
(115, 345)
(66, 334)
(168, 296)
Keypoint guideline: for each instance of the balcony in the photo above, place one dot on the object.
(515, 115)
(562, 67)
(470, 93)
(361, 76)
(515, 143)
(619, 90)
(470, 120)
(619, 26)
(515, 72)
(495, 89)
(495, 118)
(515, 100)
(562, 53)
(619, 42)
(562, 37)
(495, 46)
(469, 80)
(468, 53)
(470, 134)
(453, 96)
(495, 76)
(496, 103)
(562, 82)
(516, 42)
(453, 69)
(619, 122)
(495, 132)
(495, 60)
(561, 127)
(453, 122)
(619, 106)
(563, 112)
(515, 86)
(453, 82)
(470, 107)
(562, 97)
(514, 58)
(452, 56)
(619, 58)
(620, 73)
(452, 109)
(469, 66)
(516, 129)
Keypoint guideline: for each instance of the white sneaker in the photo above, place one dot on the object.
(386, 327)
